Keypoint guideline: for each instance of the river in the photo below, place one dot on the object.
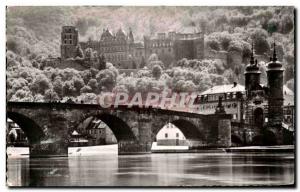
(156, 169)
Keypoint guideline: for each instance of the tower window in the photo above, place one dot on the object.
(177, 135)
(234, 116)
(166, 135)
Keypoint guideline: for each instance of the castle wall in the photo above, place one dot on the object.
(222, 56)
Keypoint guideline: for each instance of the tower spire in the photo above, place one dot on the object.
(274, 59)
(252, 54)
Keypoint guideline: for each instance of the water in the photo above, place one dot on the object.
(185, 169)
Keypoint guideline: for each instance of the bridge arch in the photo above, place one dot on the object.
(188, 128)
(31, 129)
(120, 128)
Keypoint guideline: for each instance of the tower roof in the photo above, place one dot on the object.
(106, 34)
(120, 33)
(252, 67)
(274, 64)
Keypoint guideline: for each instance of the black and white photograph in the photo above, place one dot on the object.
(150, 96)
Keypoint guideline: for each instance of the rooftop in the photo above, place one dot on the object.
(224, 89)
(188, 30)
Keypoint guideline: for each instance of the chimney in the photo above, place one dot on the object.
(234, 84)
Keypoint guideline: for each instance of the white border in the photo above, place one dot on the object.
(4, 3)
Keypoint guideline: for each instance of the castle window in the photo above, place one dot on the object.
(234, 105)
(166, 135)
(177, 135)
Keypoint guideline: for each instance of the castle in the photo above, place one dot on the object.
(121, 49)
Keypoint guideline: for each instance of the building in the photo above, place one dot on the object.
(170, 135)
(96, 132)
(119, 48)
(254, 106)
(187, 42)
(289, 110)
(14, 135)
(232, 98)
(69, 42)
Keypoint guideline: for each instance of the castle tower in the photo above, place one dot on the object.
(252, 75)
(130, 36)
(275, 85)
(69, 42)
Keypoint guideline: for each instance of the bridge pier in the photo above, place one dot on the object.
(130, 147)
(47, 149)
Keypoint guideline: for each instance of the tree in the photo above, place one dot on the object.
(69, 89)
(213, 43)
(88, 98)
(273, 26)
(40, 84)
(153, 60)
(78, 83)
(22, 95)
(143, 63)
(58, 87)
(79, 52)
(235, 46)
(93, 85)
(287, 24)
(106, 80)
(101, 62)
(290, 84)
(152, 57)
(261, 45)
(51, 95)
(89, 53)
(156, 71)
(86, 89)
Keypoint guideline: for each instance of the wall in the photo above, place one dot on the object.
(216, 55)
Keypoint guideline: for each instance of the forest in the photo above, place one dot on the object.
(33, 35)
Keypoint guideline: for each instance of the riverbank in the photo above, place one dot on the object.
(16, 152)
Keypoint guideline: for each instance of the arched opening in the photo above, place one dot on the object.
(15, 136)
(33, 132)
(258, 117)
(170, 135)
(176, 134)
(103, 130)
(21, 131)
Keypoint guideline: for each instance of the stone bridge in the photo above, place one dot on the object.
(48, 126)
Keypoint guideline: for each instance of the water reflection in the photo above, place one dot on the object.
(154, 170)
